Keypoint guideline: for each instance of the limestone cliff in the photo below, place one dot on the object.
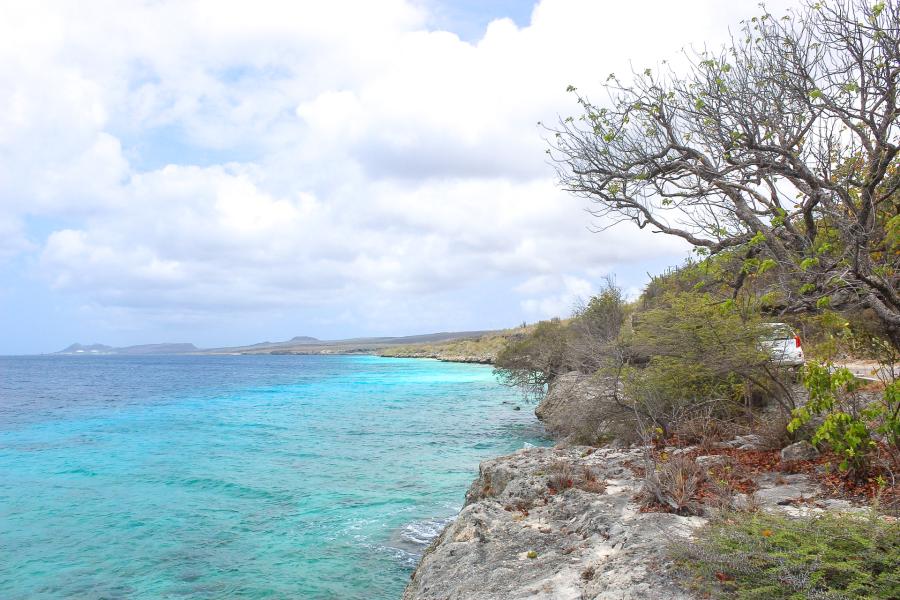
(520, 537)
(577, 407)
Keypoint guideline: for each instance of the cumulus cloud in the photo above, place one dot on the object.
(561, 294)
(216, 157)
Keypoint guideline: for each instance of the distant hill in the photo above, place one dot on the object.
(369, 345)
(300, 344)
(142, 349)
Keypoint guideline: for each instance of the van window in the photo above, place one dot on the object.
(779, 331)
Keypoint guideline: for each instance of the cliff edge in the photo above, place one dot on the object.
(556, 524)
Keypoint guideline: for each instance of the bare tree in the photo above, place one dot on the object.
(781, 149)
(595, 327)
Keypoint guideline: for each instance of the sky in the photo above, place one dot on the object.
(224, 172)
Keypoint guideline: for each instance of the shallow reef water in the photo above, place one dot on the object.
(317, 477)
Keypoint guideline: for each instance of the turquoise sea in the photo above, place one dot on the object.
(237, 476)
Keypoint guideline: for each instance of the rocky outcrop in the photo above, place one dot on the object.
(563, 524)
(577, 407)
(801, 450)
(520, 537)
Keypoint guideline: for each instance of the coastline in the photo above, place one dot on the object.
(519, 537)
(567, 522)
(481, 360)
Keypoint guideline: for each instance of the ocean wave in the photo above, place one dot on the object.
(409, 541)
(421, 533)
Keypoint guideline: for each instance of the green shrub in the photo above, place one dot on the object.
(699, 329)
(831, 335)
(690, 355)
(536, 359)
(670, 390)
(851, 423)
(554, 347)
(595, 328)
(763, 556)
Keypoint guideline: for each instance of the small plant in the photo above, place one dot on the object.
(763, 555)
(724, 483)
(673, 483)
(561, 476)
(589, 482)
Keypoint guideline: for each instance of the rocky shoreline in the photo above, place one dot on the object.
(441, 356)
(516, 538)
(564, 523)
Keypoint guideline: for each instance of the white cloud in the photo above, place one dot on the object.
(232, 156)
(563, 294)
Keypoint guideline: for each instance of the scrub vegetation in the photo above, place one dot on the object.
(483, 348)
(769, 556)
(778, 160)
(781, 149)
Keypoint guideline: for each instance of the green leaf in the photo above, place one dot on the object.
(766, 265)
(807, 263)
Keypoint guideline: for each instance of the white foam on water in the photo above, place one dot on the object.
(423, 532)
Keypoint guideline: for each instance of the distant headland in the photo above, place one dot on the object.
(295, 345)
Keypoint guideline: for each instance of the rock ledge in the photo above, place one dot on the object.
(517, 538)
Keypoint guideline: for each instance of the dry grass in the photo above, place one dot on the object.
(672, 484)
(563, 475)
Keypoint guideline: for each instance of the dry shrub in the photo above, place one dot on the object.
(561, 476)
(564, 476)
(723, 484)
(589, 482)
(773, 433)
(520, 506)
(673, 483)
(705, 430)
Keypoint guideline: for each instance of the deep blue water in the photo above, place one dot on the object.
(236, 476)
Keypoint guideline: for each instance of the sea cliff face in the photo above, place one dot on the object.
(556, 523)
(564, 523)
(575, 408)
(553, 523)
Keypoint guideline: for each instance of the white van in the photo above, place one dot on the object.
(783, 344)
